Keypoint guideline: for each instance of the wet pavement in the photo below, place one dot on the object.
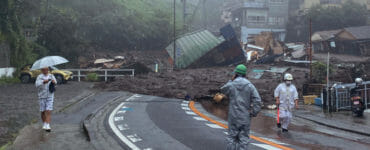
(151, 122)
(343, 120)
(304, 133)
(19, 105)
(67, 131)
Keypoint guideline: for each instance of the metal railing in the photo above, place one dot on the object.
(340, 96)
(106, 73)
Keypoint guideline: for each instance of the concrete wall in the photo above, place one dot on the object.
(7, 72)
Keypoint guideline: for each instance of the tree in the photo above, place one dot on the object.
(11, 32)
(326, 18)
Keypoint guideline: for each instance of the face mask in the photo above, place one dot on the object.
(288, 83)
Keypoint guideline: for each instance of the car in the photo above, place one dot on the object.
(62, 76)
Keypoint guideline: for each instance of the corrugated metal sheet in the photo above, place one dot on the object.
(191, 47)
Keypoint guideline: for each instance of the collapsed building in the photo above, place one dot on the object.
(202, 49)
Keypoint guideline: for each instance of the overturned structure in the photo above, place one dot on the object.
(203, 49)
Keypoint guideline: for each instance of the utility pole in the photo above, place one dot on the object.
(174, 34)
(327, 82)
(310, 50)
(204, 12)
(184, 16)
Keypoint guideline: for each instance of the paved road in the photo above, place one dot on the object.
(148, 122)
(121, 120)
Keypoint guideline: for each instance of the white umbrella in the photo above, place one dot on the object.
(48, 61)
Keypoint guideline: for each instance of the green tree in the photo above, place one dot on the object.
(11, 32)
(326, 18)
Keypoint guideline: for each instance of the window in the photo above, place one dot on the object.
(256, 19)
(277, 1)
(276, 20)
(330, 1)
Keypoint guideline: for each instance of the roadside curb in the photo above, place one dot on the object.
(191, 105)
(78, 100)
(349, 128)
(87, 125)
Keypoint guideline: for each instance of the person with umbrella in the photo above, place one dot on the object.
(45, 84)
(46, 97)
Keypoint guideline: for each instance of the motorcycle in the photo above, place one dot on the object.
(357, 106)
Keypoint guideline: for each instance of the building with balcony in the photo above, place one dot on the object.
(251, 17)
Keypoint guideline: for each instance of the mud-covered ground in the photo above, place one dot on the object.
(200, 84)
(19, 105)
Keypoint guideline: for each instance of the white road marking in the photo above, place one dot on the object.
(121, 112)
(214, 126)
(185, 102)
(134, 138)
(147, 149)
(199, 119)
(190, 113)
(117, 132)
(137, 96)
(123, 127)
(132, 97)
(118, 118)
(185, 108)
(226, 133)
(275, 141)
(184, 105)
(265, 146)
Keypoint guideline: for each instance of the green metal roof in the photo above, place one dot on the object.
(190, 47)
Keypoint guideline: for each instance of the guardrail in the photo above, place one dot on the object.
(104, 73)
(340, 96)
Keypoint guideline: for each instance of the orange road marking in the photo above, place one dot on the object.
(191, 105)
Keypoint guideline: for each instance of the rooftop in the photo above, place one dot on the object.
(360, 33)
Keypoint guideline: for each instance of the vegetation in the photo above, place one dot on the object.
(326, 18)
(8, 80)
(11, 32)
(92, 77)
(319, 71)
(73, 27)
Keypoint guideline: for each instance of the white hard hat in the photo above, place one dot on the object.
(288, 77)
(358, 80)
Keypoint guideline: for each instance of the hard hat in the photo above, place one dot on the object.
(241, 69)
(358, 80)
(288, 77)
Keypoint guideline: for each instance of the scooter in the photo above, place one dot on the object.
(357, 106)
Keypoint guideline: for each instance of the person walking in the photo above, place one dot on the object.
(286, 96)
(46, 96)
(245, 102)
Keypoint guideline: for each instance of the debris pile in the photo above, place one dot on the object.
(265, 48)
(141, 61)
(201, 84)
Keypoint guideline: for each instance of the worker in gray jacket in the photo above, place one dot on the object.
(245, 103)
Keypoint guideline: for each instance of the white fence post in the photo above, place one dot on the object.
(79, 75)
(105, 75)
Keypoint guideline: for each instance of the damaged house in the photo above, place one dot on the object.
(351, 40)
(203, 49)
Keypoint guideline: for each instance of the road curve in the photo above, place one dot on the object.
(149, 122)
